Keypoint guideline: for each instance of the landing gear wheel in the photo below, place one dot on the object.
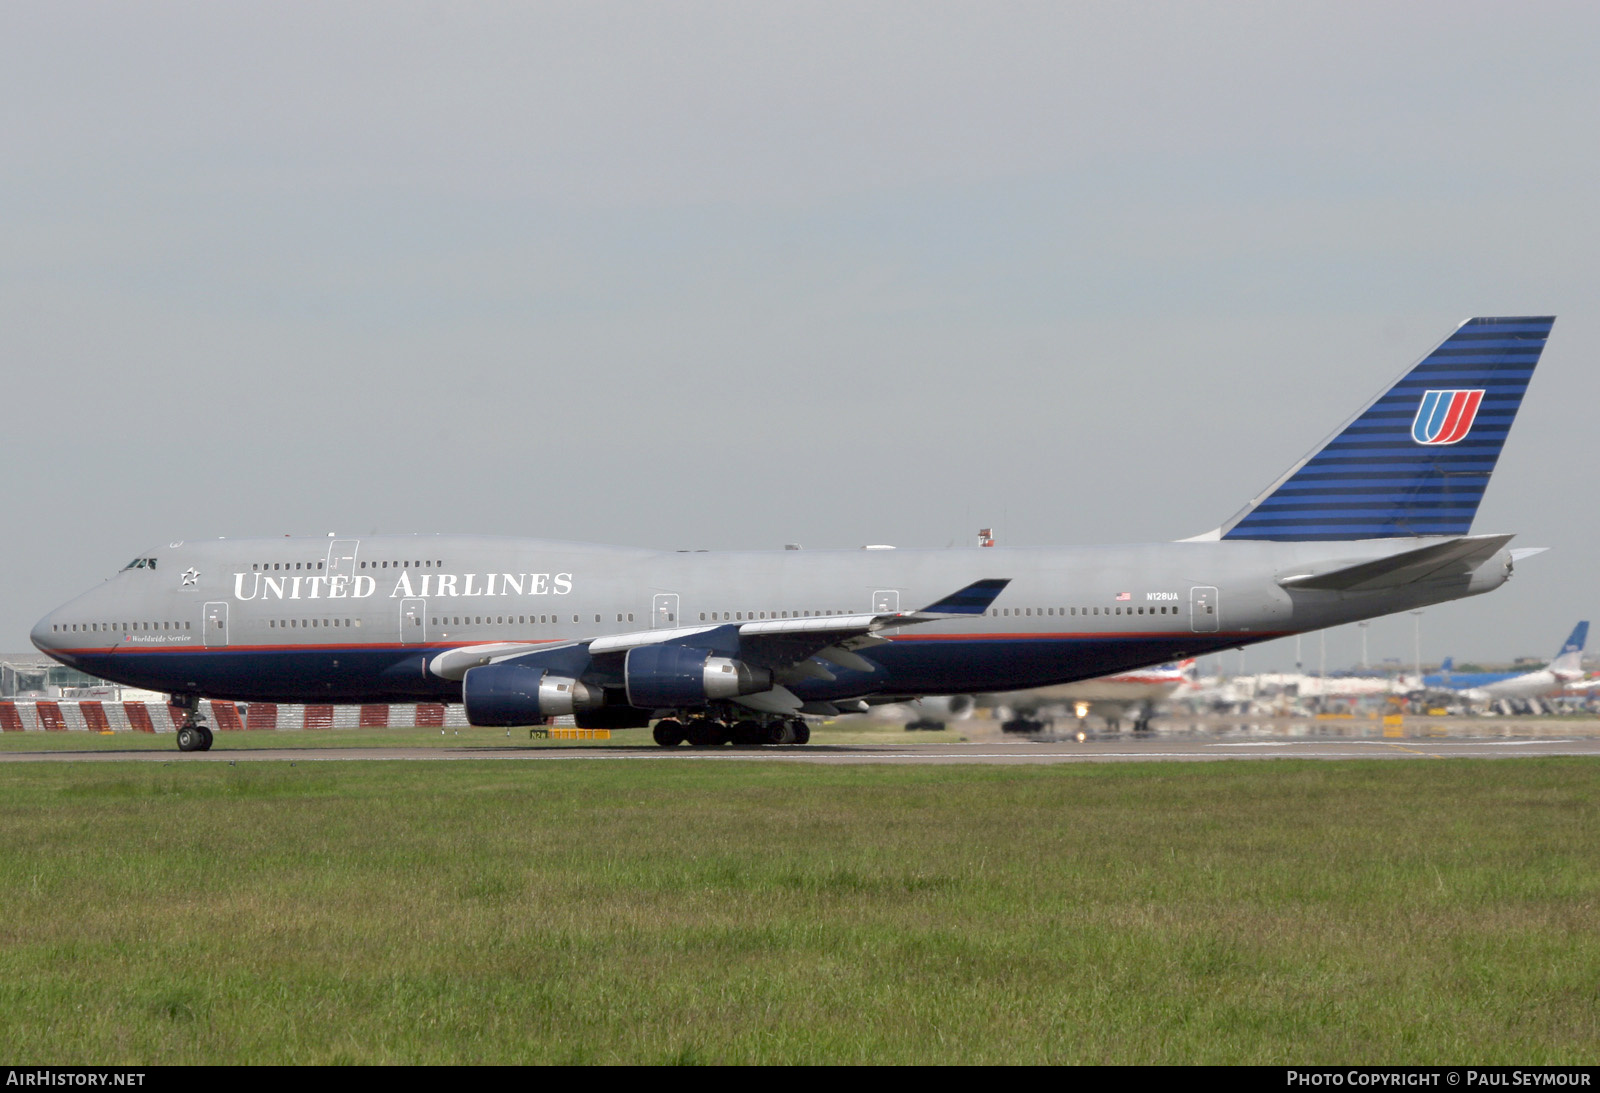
(669, 732)
(205, 738)
(706, 733)
(776, 732)
(802, 731)
(747, 733)
(189, 739)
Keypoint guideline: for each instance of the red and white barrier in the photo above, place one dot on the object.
(95, 715)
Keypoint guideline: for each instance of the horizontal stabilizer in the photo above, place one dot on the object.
(1451, 558)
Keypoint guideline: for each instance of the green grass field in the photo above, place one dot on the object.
(1262, 912)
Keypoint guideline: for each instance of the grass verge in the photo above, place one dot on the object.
(707, 912)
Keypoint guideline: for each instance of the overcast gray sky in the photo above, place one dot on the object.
(718, 275)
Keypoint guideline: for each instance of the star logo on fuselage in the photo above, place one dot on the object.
(190, 576)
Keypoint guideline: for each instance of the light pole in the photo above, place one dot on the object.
(1363, 626)
(1416, 643)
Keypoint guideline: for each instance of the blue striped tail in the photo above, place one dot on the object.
(1417, 460)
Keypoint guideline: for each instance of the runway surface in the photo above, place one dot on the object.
(1118, 749)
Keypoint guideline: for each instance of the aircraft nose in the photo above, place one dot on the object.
(43, 634)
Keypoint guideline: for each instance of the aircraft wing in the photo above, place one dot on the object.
(787, 645)
(791, 648)
(1454, 557)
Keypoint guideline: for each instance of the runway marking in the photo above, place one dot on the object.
(1413, 751)
(1499, 743)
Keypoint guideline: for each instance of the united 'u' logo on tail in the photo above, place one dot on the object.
(1445, 417)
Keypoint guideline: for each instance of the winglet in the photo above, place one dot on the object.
(971, 600)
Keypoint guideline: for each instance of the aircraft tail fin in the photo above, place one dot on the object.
(1570, 659)
(1415, 460)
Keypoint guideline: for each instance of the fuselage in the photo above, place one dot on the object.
(1487, 686)
(345, 620)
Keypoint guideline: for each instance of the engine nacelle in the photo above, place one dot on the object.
(676, 676)
(509, 694)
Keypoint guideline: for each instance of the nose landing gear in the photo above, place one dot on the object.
(193, 735)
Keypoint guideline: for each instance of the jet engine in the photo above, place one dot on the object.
(512, 694)
(676, 676)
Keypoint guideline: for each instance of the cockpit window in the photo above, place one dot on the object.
(141, 563)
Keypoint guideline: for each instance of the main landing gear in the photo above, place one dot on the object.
(1024, 725)
(192, 732)
(708, 732)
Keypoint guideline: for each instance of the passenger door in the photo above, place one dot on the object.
(413, 622)
(1203, 616)
(215, 624)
